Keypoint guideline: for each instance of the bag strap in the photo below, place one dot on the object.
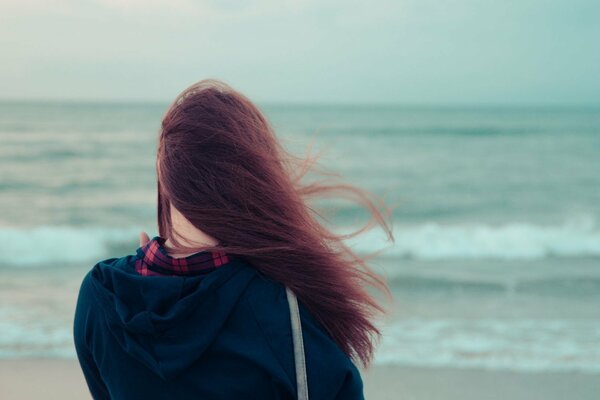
(301, 381)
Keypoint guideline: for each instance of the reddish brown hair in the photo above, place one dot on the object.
(220, 164)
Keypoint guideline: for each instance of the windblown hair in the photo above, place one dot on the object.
(220, 165)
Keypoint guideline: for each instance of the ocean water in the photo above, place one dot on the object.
(497, 256)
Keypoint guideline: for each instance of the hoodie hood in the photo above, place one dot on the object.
(167, 322)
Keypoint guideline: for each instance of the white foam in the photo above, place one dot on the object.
(24, 333)
(429, 241)
(510, 241)
(514, 344)
(528, 345)
(61, 244)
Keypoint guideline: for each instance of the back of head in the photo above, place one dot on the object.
(220, 164)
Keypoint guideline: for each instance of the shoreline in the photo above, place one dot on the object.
(62, 379)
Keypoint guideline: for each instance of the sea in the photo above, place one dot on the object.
(495, 262)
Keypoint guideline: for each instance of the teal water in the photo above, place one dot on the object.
(497, 255)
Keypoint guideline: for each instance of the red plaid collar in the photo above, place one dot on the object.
(154, 260)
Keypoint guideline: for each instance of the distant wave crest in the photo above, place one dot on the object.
(429, 241)
(511, 241)
(64, 244)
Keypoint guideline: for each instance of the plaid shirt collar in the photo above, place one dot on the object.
(153, 260)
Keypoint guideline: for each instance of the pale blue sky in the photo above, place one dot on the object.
(417, 51)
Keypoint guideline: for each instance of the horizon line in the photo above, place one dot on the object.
(313, 103)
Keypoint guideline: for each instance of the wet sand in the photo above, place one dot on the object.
(62, 379)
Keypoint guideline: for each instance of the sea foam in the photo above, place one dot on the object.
(517, 344)
(428, 241)
(509, 241)
(62, 244)
(513, 344)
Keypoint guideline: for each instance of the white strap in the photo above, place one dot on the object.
(301, 382)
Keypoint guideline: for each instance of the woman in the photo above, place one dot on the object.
(200, 311)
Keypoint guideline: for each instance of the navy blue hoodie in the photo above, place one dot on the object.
(225, 334)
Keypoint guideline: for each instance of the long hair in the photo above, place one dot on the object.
(220, 164)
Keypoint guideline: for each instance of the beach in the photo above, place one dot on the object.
(494, 271)
(51, 379)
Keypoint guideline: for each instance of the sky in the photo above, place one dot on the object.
(307, 51)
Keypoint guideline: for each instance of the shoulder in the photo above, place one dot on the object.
(351, 385)
(125, 264)
(86, 296)
(331, 373)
